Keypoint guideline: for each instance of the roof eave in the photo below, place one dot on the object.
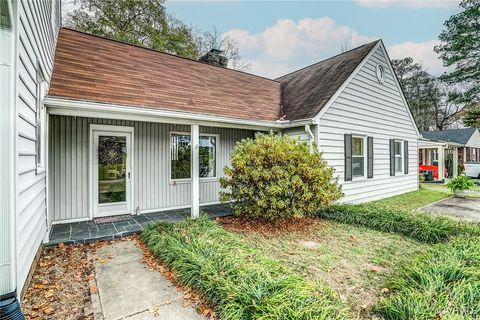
(83, 108)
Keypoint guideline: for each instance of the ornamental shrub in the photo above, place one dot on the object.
(460, 183)
(274, 177)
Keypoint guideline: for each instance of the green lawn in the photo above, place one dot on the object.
(441, 188)
(313, 268)
(354, 261)
(416, 199)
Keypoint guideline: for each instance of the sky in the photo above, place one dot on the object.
(277, 37)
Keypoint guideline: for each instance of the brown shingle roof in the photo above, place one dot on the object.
(96, 69)
(92, 68)
(306, 91)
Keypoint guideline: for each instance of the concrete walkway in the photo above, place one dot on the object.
(461, 208)
(128, 290)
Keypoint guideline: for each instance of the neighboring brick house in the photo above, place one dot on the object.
(468, 138)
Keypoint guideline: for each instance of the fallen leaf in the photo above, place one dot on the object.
(48, 294)
(385, 290)
(374, 269)
(154, 310)
(353, 238)
(39, 286)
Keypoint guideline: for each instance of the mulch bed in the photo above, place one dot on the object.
(59, 286)
(269, 229)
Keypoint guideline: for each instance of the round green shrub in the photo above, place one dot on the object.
(274, 177)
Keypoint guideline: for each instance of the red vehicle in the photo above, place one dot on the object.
(423, 167)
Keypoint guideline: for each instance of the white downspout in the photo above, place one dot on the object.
(311, 137)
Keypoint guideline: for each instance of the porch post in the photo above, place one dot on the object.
(464, 154)
(195, 209)
(441, 162)
(455, 162)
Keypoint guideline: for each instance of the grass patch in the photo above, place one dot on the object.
(236, 279)
(420, 226)
(444, 283)
(354, 261)
(412, 200)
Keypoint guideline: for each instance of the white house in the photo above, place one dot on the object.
(28, 35)
(107, 98)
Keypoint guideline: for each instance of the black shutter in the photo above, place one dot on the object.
(370, 157)
(405, 155)
(348, 157)
(392, 157)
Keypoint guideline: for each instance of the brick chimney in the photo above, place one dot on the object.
(214, 57)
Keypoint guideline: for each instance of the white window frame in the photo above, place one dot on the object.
(365, 159)
(40, 117)
(189, 180)
(401, 156)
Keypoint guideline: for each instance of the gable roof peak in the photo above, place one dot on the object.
(306, 91)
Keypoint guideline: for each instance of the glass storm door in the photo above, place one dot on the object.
(111, 173)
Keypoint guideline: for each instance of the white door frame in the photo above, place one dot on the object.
(110, 129)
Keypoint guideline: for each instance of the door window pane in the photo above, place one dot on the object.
(112, 160)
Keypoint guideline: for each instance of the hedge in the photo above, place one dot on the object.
(233, 277)
(444, 283)
(420, 226)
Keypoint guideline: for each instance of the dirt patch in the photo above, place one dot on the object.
(298, 226)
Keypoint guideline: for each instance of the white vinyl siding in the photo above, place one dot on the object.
(369, 108)
(68, 165)
(35, 42)
(474, 141)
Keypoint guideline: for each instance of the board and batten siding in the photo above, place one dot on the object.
(37, 28)
(368, 107)
(69, 164)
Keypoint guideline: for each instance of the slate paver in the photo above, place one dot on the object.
(88, 231)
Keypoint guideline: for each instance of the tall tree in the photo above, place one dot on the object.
(471, 117)
(427, 97)
(214, 39)
(147, 23)
(460, 48)
(140, 22)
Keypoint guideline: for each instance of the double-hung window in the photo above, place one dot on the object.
(358, 156)
(398, 156)
(180, 156)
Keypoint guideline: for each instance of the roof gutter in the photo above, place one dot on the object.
(82, 108)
